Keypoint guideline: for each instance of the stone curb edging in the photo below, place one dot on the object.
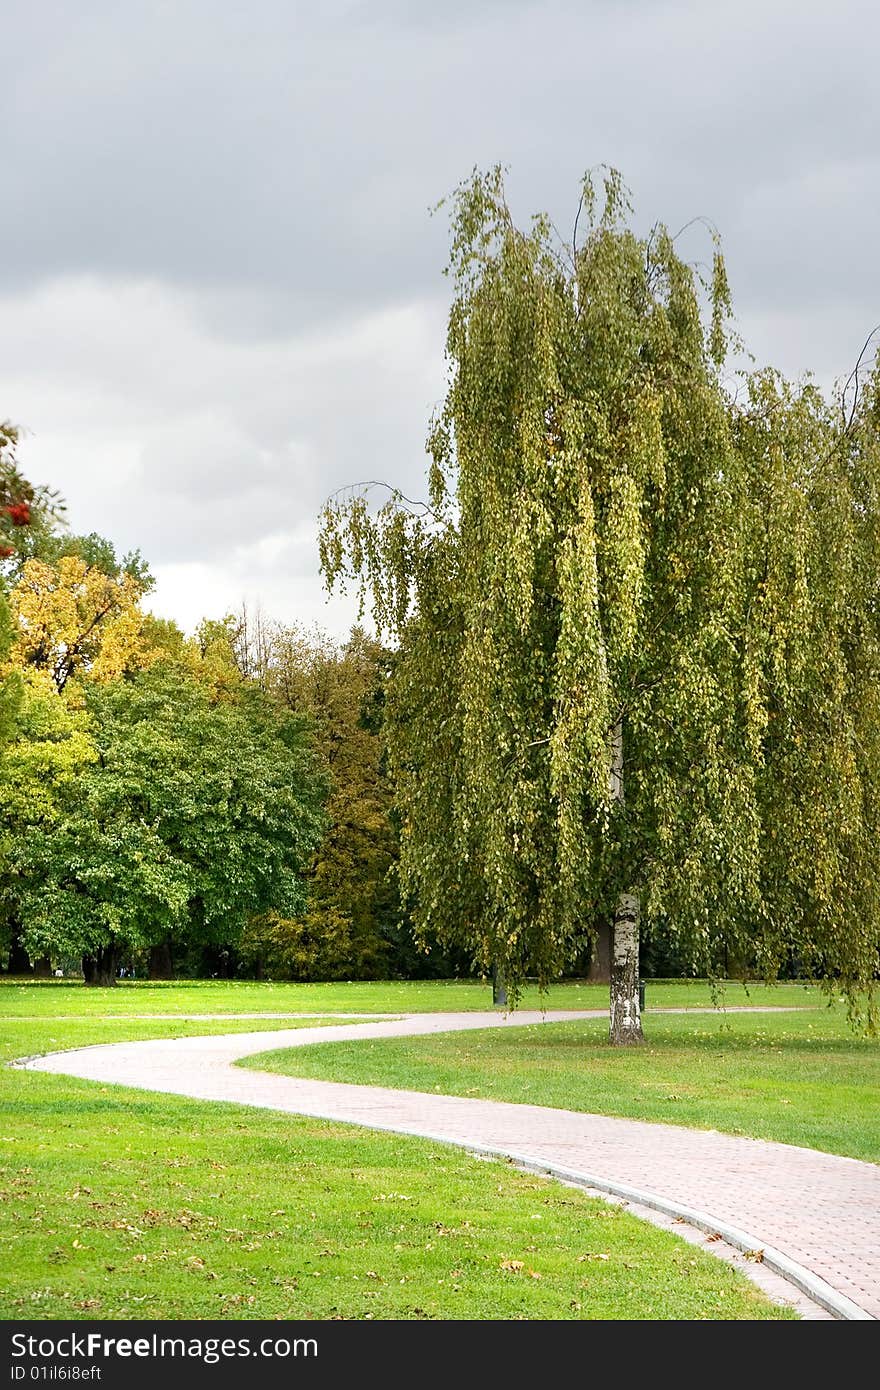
(837, 1304)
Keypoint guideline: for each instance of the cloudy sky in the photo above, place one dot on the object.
(221, 292)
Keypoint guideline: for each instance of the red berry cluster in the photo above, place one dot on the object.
(19, 513)
(17, 497)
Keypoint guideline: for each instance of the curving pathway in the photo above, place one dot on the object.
(814, 1217)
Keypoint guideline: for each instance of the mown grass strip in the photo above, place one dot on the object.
(56, 998)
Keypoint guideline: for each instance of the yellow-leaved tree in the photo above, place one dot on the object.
(71, 617)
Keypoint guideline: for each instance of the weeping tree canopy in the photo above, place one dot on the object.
(637, 619)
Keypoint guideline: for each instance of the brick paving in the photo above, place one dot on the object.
(820, 1210)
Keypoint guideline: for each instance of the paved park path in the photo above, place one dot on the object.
(815, 1216)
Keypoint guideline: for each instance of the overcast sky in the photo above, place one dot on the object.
(221, 292)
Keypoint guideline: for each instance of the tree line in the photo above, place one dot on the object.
(209, 805)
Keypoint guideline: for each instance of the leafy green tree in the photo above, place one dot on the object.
(10, 685)
(196, 814)
(25, 511)
(588, 644)
(48, 750)
(74, 603)
(51, 544)
(811, 644)
(348, 928)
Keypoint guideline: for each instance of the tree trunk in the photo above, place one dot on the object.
(20, 963)
(19, 960)
(99, 968)
(626, 1022)
(161, 963)
(499, 989)
(599, 969)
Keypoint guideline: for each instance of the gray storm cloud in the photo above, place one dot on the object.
(220, 287)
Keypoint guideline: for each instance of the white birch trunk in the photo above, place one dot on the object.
(626, 1021)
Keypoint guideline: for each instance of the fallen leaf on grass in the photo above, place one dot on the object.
(512, 1266)
(125, 1226)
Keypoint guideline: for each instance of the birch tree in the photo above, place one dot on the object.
(594, 612)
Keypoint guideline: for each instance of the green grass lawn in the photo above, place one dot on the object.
(120, 1204)
(801, 1078)
(63, 998)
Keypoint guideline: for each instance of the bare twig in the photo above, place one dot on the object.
(396, 494)
(853, 380)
